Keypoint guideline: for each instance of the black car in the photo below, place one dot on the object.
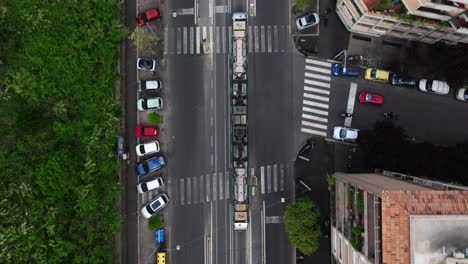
(403, 81)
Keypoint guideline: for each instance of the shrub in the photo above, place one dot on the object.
(154, 222)
(301, 5)
(331, 179)
(154, 118)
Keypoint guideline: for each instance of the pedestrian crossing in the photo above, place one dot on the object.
(316, 99)
(261, 39)
(218, 186)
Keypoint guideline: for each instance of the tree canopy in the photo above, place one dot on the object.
(59, 124)
(302, 225)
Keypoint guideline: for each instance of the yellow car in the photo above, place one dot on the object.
(161, 258)
(377, 75)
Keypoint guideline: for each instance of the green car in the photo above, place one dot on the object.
(149, 103)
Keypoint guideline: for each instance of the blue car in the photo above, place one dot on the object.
(159, 236)
(150, 165)
(340, 69)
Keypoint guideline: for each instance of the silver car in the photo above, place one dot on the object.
(308, 20)
(150, 185)
(150, 103)
(156, 205)
(345, 133)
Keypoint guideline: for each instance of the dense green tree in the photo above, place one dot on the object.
(302, 225)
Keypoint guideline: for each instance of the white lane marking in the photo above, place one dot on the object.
(305, 102)
(351, 100)
(221, 189)
(197, 40)
(310, 124)
(181, 191)
(317, 76)
(275, 178)
(316, 62)
(262, 38)
(250, 37)
(314, 132)
(179, 39)
(316, 90)
(191, 40)
(275, 37)
(281, 177)
(269, 179)
(252, 173)
(316, 118)
(207, 189)
(212, 46)
(229, 39)
(317, 69)
(189, 191)
(195, 189)
(257, 46)
(202, 198)
(215, 186)
(316, 97)
(315, 111)
(269, 38)
(184, 40)
(223, 37)
(316, 83)
(226, 192)
(218, 41)
(262, 179)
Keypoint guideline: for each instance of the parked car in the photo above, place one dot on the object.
(308, 20)
(345, 133)
(149, 15)
(158, 203)
(402, 81)
(377, 75)
(370, 98)
(146, 64)
(146, 131)
(159, 236)
(462, 94)
(150, 185)
(149, 85)
(149, 103)
(339, 69)
(147, 148)
(433, 86)
(150, 165)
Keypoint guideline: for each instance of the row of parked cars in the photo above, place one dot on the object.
(424, 85)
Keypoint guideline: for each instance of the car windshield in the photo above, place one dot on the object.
(373, 73)
(429, 85)
(310, 19)
(145, 64)
(142, 149)
(465, 95)
(155, 205)
(342, 133)
(368, 97)
(144, 188)
(145, 167)
(144, 105)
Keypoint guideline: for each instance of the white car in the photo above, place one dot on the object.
(149, 85)
(158, 203)
(308, 20)
(433, 86)
(150, 185)
(462, 94)
(345, 133)
(149, 103)
(147, 148)
(146, 64)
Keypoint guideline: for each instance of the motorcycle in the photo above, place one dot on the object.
(391, 115)
(354, 58)
(346, 114)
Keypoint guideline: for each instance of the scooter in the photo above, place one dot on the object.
(391, 115)
(345, 114)
(354, 58)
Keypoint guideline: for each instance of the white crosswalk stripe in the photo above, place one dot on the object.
(315, 103)
(261, 39)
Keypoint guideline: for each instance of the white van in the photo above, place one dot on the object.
(149, 85)
(433, 86)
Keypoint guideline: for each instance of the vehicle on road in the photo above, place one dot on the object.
(340, 69)
(149, 103)
(308, 20)
(158, 203)
(146, 64)
(146, 131)
(403, 81)
(159, 236)
(345, 133)
(147, 148)
(370, 98)
(462, 94)
(149, 15)
(373, 74)
(149, 85)
(161, 258)
(150, 185)
(150, 165)
(433, 86)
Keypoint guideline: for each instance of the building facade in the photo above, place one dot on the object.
(378, 218)
(428, 21)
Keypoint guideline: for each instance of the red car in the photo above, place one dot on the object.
(370, 98)
(148, 16)
(146, 131)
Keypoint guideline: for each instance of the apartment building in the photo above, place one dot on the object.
(381, 218)
(428, 21)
